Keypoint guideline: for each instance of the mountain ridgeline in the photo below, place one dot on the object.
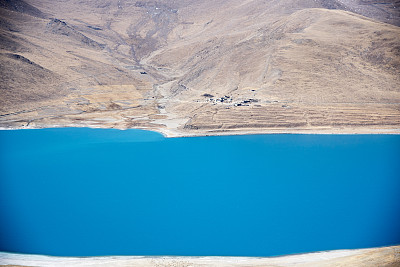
(195, 67)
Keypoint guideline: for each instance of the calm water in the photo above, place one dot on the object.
(82, 192)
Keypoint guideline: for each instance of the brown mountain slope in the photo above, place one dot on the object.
(202, 67)
(21, 7)
(293, 73)
(15, 67)
(383, 10)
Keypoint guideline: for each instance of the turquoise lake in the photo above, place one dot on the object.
(85, 192)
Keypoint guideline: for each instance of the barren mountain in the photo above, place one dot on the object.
(195, 67)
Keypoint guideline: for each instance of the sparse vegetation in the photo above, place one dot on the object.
(286, 64)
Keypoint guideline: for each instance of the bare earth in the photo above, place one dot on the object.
(201, 67)
(383, 257)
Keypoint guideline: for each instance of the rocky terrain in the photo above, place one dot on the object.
(383, 257)
(201, 67)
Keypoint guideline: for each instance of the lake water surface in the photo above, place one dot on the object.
(84, 192)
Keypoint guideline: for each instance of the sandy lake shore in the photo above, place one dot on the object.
(176, 132)
(384, 256)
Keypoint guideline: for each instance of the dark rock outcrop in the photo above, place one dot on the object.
(60, 27)
(22, 7)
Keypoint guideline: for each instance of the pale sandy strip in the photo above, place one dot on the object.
(358, 257)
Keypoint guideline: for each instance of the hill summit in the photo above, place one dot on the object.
(201, 67)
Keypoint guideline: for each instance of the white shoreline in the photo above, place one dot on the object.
(173, 133)
(325, 258)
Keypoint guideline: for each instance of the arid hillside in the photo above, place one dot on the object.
(199, 67)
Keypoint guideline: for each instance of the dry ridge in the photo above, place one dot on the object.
(201, 67)
(383, 257)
